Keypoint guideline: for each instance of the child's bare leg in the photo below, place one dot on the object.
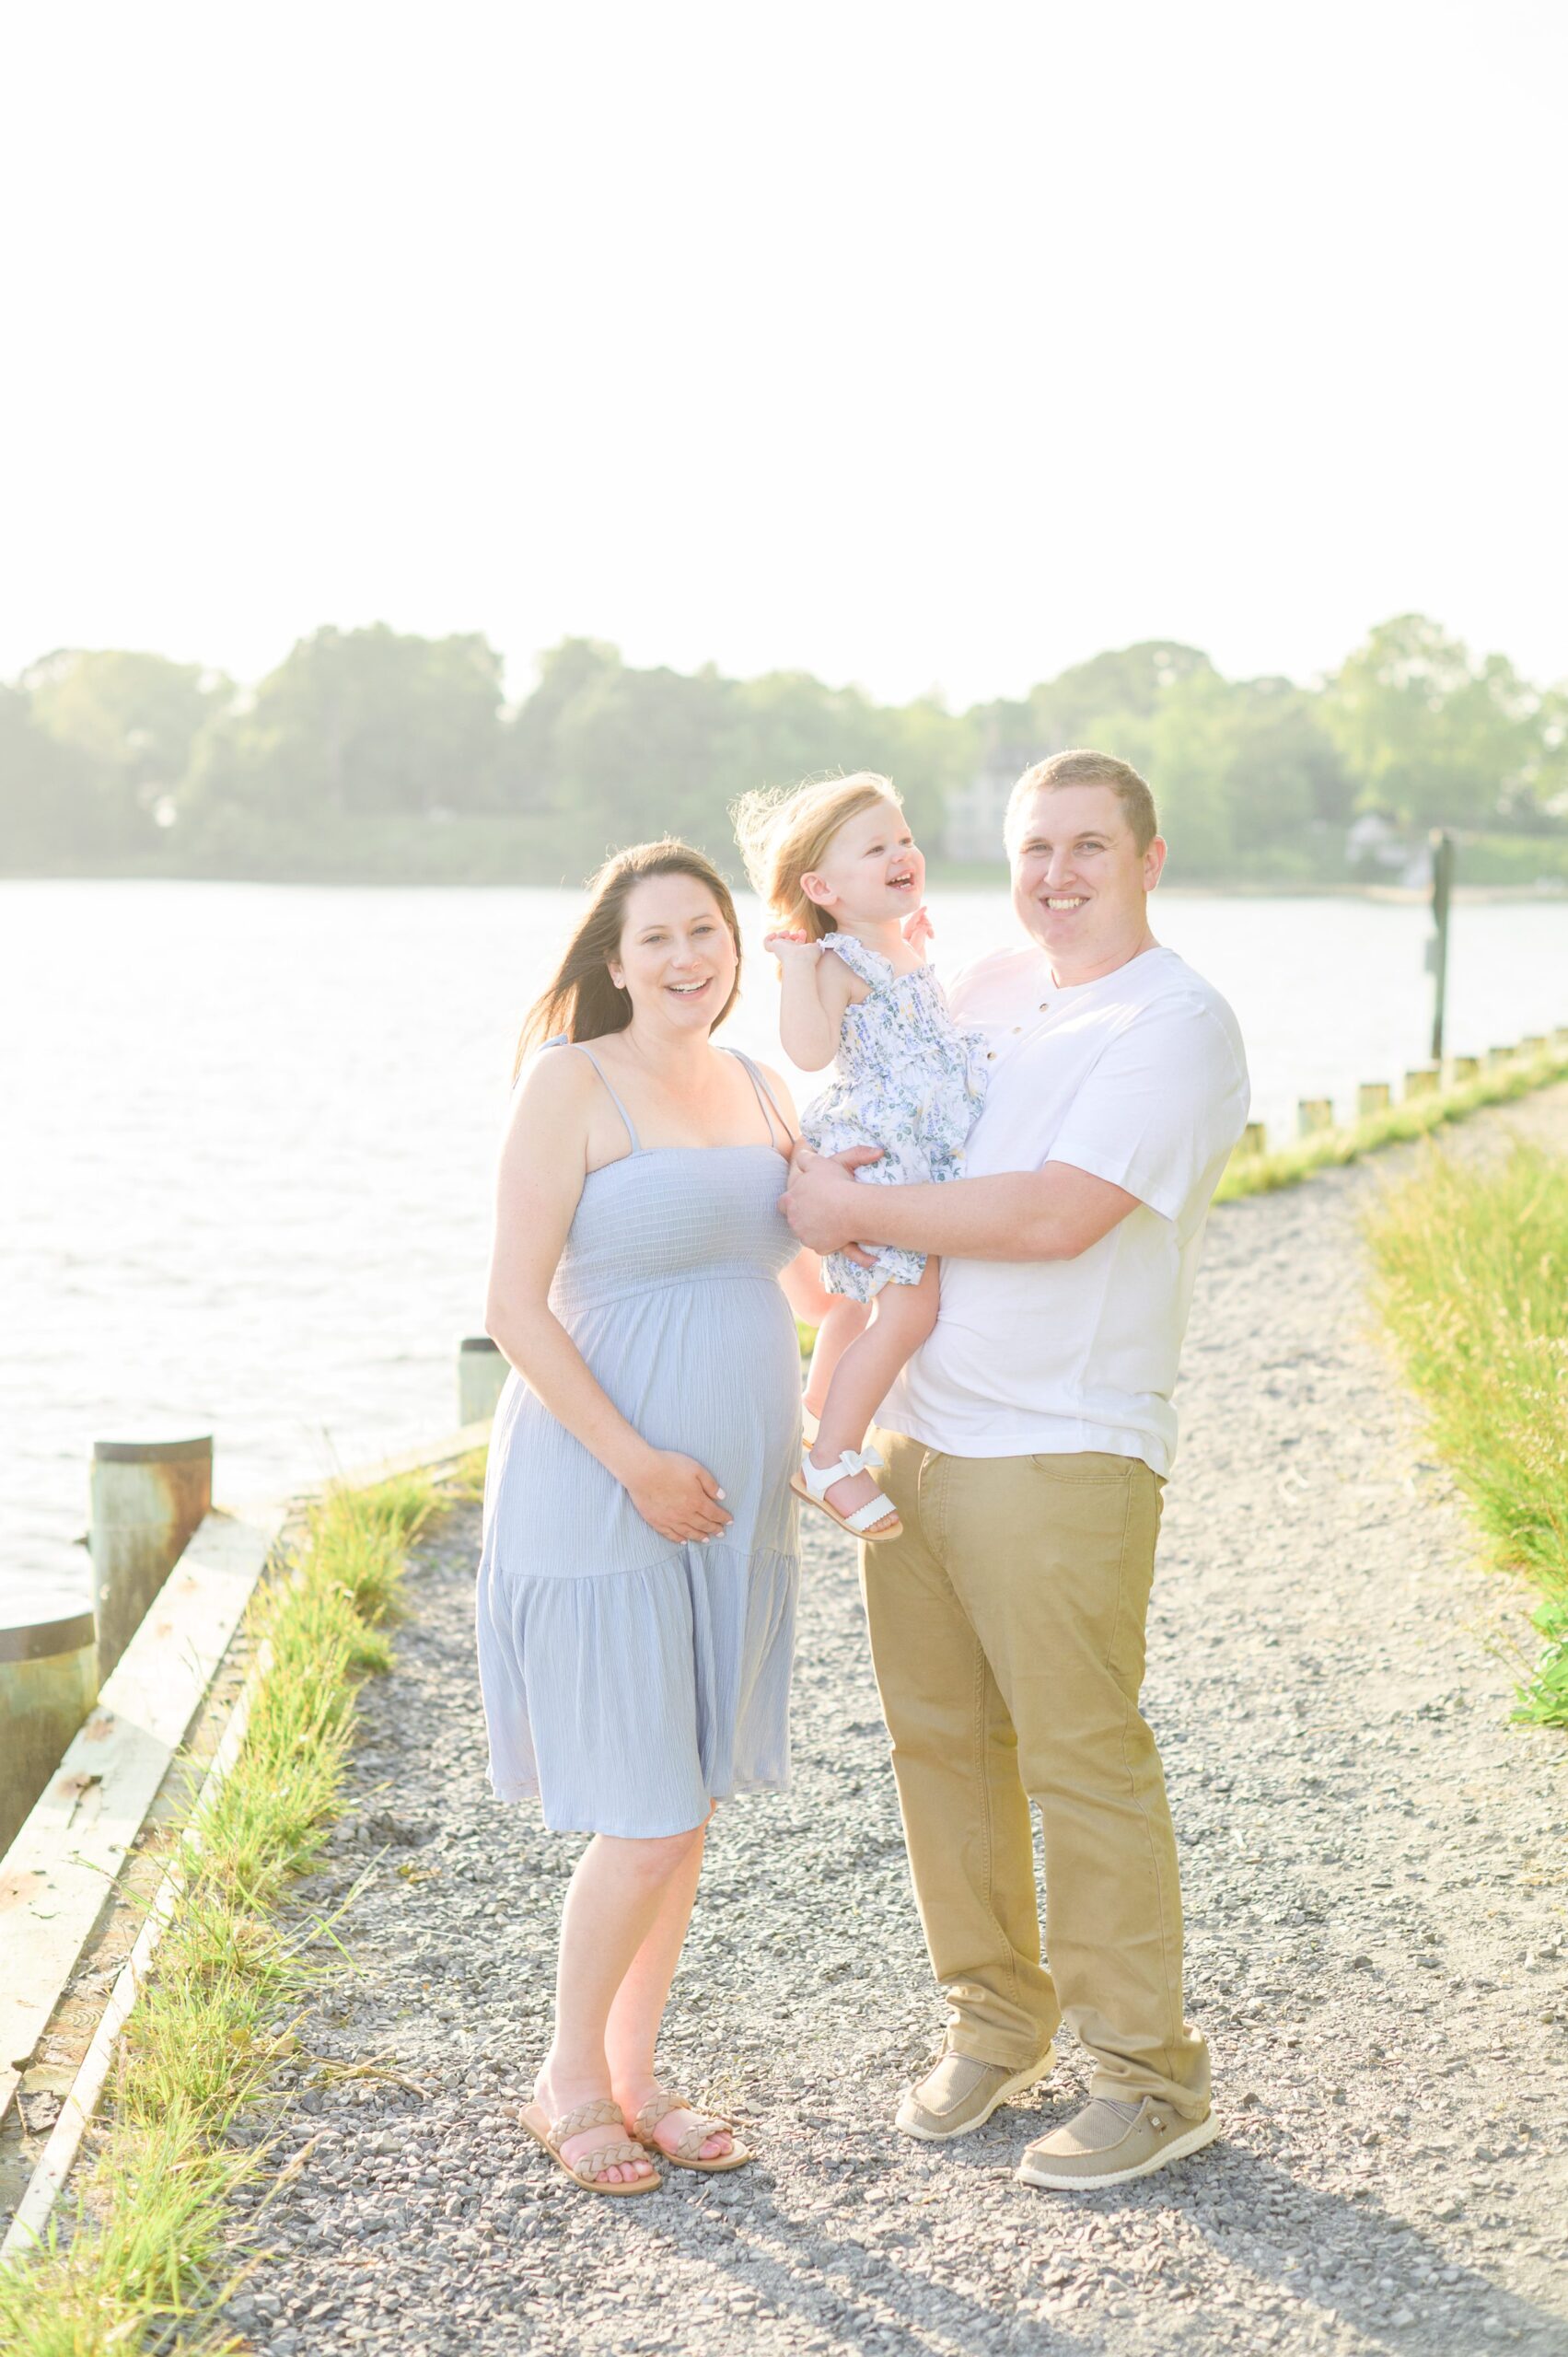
(843, 1320)
(901, 1318)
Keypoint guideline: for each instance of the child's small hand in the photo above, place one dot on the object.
(918, 929)
(792, 949)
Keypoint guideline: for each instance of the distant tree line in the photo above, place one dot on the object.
(114, 761)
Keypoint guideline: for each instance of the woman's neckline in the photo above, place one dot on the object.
(644, 1152)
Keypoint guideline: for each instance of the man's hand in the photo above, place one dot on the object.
(823, 1205)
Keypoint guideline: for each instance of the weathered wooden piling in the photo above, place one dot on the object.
(1315, 1113)
(1534, 1043)
(49, 1682)
(1463, 1069)
(1254, 1139)
(1373, 1096)
(1423, 1080)
(147, 1498)
(1495, 1058)
(481, 1371)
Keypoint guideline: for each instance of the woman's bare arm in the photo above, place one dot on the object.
(543, 1164)
(802, 1280)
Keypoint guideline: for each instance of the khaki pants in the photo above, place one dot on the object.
(1007, 1634)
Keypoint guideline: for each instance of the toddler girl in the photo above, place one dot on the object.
(836, 863)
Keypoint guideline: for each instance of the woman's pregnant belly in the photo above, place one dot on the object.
(710, 1369)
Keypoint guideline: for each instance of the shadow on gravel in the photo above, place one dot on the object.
(1303, 2260)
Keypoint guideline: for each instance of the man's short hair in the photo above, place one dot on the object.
(1083, 767)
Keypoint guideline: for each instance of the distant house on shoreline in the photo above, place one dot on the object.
(976, 811)
(1378, 848)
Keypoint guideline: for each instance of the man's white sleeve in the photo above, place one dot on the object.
(1161, 1111)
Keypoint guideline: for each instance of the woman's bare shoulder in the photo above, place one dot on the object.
(553, 1085)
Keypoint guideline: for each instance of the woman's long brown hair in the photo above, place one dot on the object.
(580, 999)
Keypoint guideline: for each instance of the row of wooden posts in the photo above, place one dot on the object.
(146, 1498)
(1374, 1096)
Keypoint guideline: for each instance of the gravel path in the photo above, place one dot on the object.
(1374, 1861)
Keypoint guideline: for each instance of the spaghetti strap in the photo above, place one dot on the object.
(582, 1050)
(765, 1097)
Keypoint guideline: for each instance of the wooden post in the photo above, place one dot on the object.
(1254, 1139)
(1496, 1058)
(1559, 1037)
(1464, 1069)
(1438, 947)
(147, 1498)
(482, 1371)
(49, 1682)
(1373, 1096)
(1534, 1043)
(1315, 1113)
(1421, 1082)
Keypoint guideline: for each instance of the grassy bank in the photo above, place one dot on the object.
(562, 846)
(1261, 1174)
(143, 2262)
(1473, 1283)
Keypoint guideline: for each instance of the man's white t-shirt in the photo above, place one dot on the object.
(1141, 1079)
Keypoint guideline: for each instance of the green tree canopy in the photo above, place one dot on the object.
(360, 736)
(1431, 734)
(129, 722)
(358, 722)
(648, 751)
(51, 806)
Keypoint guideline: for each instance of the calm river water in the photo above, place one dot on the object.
(249, 1129)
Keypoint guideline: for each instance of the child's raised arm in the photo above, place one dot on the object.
(814, 993)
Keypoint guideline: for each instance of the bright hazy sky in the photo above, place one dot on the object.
(913, 345)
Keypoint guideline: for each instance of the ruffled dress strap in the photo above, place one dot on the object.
(869, 964)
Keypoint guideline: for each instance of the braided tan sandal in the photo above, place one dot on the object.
(589, 2171)
(687, 2153)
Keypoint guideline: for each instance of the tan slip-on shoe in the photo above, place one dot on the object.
(1107, 2143)
(959, 2095)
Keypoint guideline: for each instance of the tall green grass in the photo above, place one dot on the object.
(1472, 1267)
(142, 2264)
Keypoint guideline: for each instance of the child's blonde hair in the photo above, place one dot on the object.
(784, 833)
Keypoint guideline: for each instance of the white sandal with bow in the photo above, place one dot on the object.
(876, 1519)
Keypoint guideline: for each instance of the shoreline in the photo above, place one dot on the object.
(941, 876)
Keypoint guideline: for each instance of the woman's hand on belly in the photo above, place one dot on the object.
(677, 1497)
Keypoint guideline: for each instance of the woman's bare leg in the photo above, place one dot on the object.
(630, 2037)
(613, 1901)
(842, 1322)
(901, 1318)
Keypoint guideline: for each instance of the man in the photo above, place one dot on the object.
(1027, 1446)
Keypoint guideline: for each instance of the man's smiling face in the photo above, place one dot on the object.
(1080, 883)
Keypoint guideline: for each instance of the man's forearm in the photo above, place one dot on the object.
(1009, 1218)
(1049, 1215)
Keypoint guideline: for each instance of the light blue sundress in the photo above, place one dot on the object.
(628, 1679)
(909, 1080)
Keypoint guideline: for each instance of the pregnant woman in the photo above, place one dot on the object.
(637, 1584)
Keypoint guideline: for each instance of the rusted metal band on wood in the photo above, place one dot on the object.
(153, 1452)
(41, 1640)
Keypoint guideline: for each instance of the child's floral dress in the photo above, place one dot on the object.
(908, 1080)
